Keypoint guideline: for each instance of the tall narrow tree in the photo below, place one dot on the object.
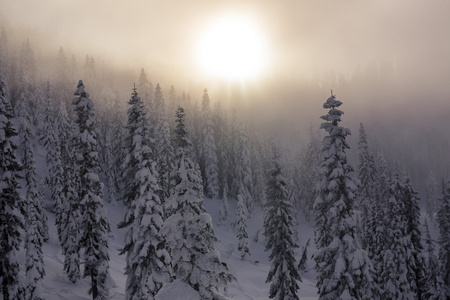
(343, 268)
(35, 223)
(163, 148)
(280, 234)
(188, 231)
(94, 226)
(208, 151)
(443, 219)
(147, 261)
(366, 192)
(11, 221)
(241, 221)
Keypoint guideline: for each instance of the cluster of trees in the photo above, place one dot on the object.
(367, 230)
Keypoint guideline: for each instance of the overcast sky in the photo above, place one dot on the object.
(304, 36)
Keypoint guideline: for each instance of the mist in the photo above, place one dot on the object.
(388, 61)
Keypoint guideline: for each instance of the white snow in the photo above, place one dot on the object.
(250, 273)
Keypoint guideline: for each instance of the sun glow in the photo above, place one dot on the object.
(233, 48)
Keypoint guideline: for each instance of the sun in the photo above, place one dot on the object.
(233, 47)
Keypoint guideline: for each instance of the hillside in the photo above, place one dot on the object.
(251, 274)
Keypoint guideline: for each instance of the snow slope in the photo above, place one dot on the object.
(251, 273)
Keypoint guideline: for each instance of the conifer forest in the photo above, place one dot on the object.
(129, 171)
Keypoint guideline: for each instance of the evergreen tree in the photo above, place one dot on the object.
(242, 178)
(163, 147)
(70, 221)
(188, 230)
(11, 222)
(220, 126)
(35, 223)
(412, 216)
(443, 219)
(5, 58)
(307, 176)
(366, 192)
(241, 220)
(51, 142)
(258, 171)
(208, 151)
(94, 226)
(431, 195)
(223, 210)
(280, 234)
(433, 279)
(397, 279)
(343, 268)
(147, 260)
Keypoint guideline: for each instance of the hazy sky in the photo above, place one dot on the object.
(303, 36)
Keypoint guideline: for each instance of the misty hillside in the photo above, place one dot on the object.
(241, 166)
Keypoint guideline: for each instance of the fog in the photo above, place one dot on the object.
(388, 61)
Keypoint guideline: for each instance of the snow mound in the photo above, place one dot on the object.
(177, 290)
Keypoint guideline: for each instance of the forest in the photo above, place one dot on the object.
(77, 135)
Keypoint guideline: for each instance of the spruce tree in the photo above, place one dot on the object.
(208, 152)
(70, 221)
(52, 144)
(343, 268)
(35, 222)
(94, 226)
(431, 195)
(433, 279)
(163, 148)
(188, 230)
(241, 220)
(259, 180)
(308, 175)
(11, 221)
(443, 220)
(147, 260)
(366, 192)
(280, 236)
(223, 210)
(396, 278)
(221, 137)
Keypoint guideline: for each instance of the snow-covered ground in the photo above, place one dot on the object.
(250, 273)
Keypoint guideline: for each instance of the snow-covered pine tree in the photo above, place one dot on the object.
(146, 90)
(258, 161)
(241, 222)
(35, 222)
(431, 195)
(432, 268)
(94, 226)
(208, 151)
(241, 181)
(308, 175)
(118, 131)
(64, 130)
(188, 230)
(412, 216)
(220, 126)
(223, 209)
(71, 218)
(146, 257)
(396, 276)
(5, 58)
(443, 220)
(343, 267)
(51, 143)
(280, 236)
(163, 150)
(11, 221)
(366, 192)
